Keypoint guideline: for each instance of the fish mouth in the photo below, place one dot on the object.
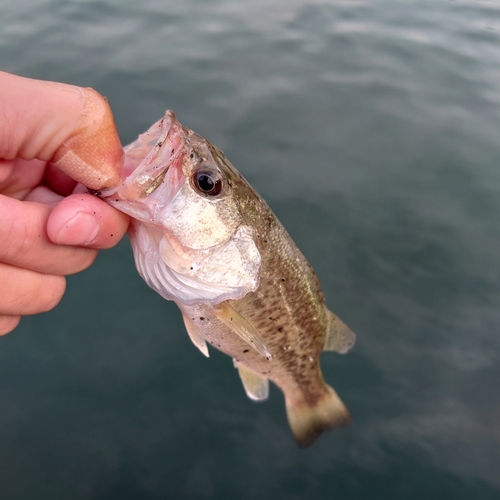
(148, 160)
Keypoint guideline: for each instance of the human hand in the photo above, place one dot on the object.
(51, 136)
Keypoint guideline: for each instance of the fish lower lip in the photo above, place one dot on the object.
(104, 193)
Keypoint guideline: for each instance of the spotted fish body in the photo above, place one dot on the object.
(204, 238)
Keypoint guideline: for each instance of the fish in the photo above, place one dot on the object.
(203, 238)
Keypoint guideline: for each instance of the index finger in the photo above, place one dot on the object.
(72, 126)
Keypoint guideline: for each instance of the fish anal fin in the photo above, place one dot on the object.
(256, 386)
(239, 325)
(339, 337)
(307, 421)
(195, 336)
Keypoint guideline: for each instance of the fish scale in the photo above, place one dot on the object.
(205, 239)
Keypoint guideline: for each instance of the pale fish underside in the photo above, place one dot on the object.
(204, 238)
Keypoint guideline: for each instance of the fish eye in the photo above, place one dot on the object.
(207, 181)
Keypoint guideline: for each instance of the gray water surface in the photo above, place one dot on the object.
(373, 131)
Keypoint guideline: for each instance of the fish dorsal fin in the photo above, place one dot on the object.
(195, 336)
(339, 337)
(239, 325)
(256, 386)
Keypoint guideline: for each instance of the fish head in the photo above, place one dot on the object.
(189, 236)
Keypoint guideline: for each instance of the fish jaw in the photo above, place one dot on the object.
(153, 160)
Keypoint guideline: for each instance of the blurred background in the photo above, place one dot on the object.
(373, 131)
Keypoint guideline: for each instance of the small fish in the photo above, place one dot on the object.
(205, 239)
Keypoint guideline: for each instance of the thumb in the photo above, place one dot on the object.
(72, 126)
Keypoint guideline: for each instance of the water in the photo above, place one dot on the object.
(372, 129)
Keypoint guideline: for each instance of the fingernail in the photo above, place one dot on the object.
(81, 229)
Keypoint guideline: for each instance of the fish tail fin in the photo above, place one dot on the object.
(309, 421)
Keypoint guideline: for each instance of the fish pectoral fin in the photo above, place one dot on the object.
(256, 386)
(339, 337)
(239, 325)
(195, 336)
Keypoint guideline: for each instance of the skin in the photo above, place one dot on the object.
(287, 309)
(46, 232)
(183, 232)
